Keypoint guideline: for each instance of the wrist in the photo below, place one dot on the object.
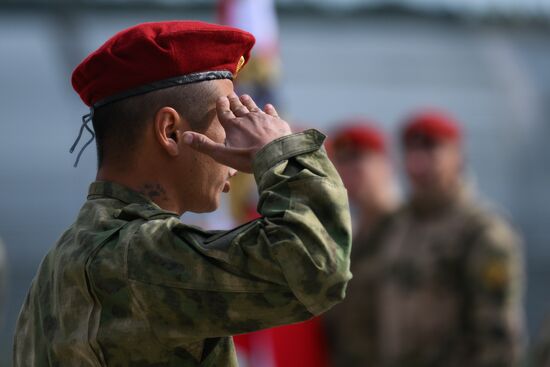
(285, 147)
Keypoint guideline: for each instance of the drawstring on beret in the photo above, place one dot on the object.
(85, 120)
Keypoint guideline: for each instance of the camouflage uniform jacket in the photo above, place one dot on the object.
(444, 288)
(130, 285)
(352, 324)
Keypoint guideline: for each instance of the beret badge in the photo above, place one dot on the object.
(240, 65)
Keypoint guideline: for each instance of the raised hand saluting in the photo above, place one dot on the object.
(248, 129)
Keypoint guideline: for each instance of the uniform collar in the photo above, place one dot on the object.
(138, 206)
(117, 191)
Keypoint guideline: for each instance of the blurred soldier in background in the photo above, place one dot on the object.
(360, 154)
(129, 284)
(451, 288)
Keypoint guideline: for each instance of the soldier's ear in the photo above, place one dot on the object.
(168, 128)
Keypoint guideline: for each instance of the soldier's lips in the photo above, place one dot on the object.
(226, 187)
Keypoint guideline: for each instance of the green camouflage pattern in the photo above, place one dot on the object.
(130, 285)
(351, 325)
(441, 286)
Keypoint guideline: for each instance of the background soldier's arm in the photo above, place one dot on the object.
(495, 272)
(285, 267)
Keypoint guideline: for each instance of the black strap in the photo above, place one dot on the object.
(166, 83)
(85, 121)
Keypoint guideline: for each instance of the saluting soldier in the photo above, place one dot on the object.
(129, 284)
(451, 285)
(361, 155)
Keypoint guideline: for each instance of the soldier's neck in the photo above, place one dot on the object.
(434, 202)
(370, 216)
(148, 184)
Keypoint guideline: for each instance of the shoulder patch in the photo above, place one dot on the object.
(495, 275)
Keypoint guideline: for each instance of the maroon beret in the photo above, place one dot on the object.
(153, 56)
(433, 125)
(358, 134)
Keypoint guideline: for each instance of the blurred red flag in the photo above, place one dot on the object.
(298, 345)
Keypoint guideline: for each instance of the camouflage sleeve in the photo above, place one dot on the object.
(282, 268)
(496, 281)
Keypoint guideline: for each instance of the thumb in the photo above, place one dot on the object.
(237, 158)
(202, 143)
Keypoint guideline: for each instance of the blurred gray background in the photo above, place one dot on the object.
(486, 62)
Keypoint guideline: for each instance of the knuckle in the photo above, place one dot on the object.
(201, 141)
(242, 110)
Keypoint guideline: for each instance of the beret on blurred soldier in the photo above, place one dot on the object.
(357, 135)
(432, 126)
(153, 56)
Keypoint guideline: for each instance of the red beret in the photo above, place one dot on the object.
(358, 134)
(153, 56)
(433, 125)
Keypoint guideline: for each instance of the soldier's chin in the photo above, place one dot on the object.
(209, 205)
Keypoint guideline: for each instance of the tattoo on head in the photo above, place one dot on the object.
(153, 191)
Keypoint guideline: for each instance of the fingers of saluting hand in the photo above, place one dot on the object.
(223, 108)
(270, 110)
(202, 143)
(249, 103)
(237, 158)
(237, 107)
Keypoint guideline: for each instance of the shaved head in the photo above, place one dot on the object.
(120, 126)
